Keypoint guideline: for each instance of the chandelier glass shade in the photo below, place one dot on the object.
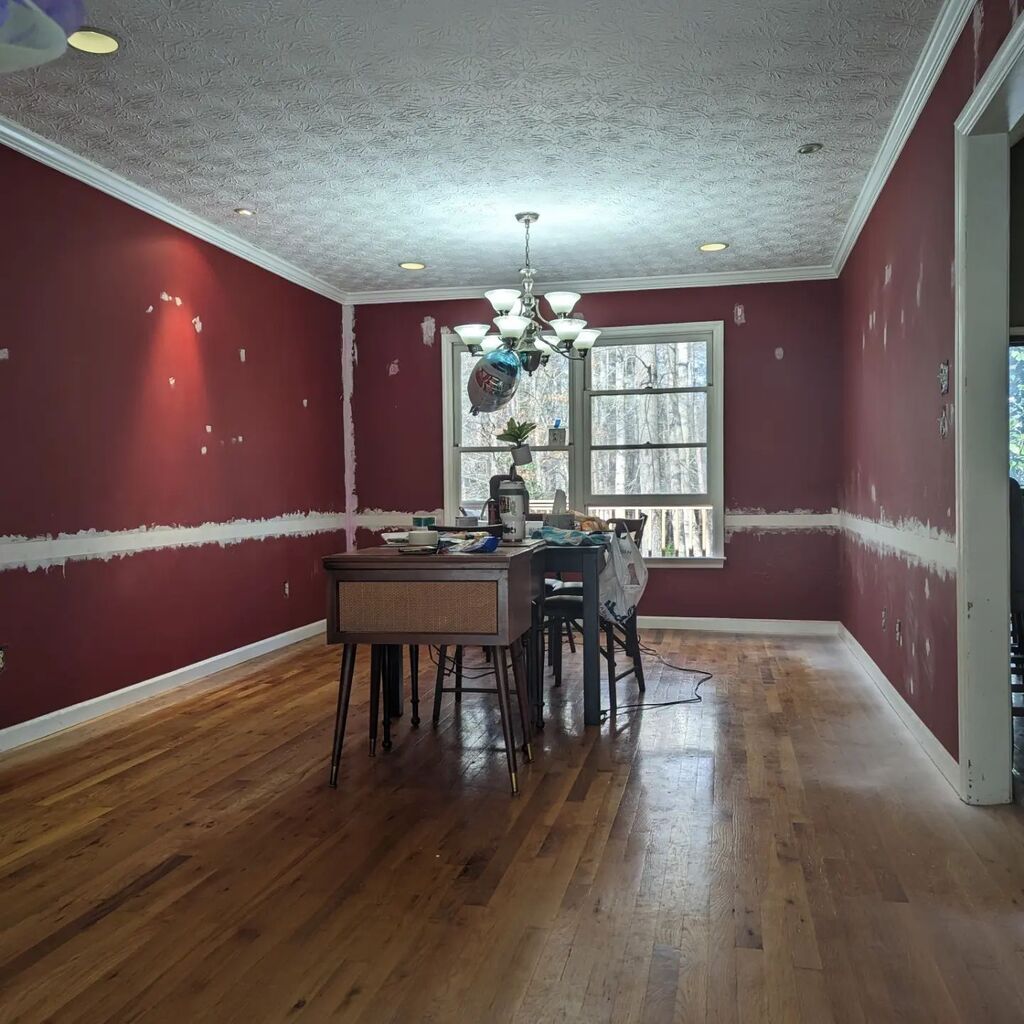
(520, 325)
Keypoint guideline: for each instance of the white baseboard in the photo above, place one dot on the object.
(939, 755)
(57, 721)
(769, 627)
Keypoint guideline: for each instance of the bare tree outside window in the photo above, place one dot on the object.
(644, 444)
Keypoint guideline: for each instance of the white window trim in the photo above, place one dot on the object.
(579, 429)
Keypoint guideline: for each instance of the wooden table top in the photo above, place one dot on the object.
(390, 557)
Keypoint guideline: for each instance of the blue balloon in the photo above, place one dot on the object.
(494, 380)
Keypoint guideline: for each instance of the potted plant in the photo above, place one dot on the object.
(516, 434)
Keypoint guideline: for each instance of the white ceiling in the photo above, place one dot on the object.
(372, 131)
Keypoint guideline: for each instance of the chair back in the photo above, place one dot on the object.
(634, 527)
(1016, 547)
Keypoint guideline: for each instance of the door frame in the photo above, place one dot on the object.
(984, 132)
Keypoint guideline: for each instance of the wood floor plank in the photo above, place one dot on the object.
(781, 851)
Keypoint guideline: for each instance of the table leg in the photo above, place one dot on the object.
(375, 673)
(394, 680)
(537, 664)
(519, 674)
(591, 644)
(348, 662)
(414, 682)
(388, 662)
(442, 658)
(501, 678)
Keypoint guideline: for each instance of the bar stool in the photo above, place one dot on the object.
(497, 659)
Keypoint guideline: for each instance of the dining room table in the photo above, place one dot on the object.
(382, 596)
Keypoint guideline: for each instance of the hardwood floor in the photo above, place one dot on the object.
(781, 852)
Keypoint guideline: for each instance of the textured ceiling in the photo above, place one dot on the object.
(372, 131)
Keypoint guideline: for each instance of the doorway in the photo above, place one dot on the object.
(985, 131)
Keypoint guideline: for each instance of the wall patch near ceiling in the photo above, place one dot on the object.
(197, 324)
(429, 327)
(393, 368)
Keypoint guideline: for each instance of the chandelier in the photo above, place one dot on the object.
(522, 329)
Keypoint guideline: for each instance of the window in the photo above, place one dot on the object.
(644, 420)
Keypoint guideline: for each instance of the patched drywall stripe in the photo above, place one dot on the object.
(916, 542)
(378, 519)
(41, 552)
(758, 521)
(348, 369)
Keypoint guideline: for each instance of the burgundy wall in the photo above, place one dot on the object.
(95, 438)
(781, 431)
(894, 336)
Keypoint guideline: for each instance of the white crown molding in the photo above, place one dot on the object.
(76, 714)
(610, 284)
(944, 34)
(52, 154)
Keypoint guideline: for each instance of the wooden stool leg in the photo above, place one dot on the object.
(568, 633)
(442, 657)
(501, 675)
(519, 674)
(387, 670)
(458, 675)
(348, 661)
(375, 681)
(414, 682)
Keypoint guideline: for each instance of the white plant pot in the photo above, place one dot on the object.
(521, 455)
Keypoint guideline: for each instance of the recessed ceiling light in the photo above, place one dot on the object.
(93, 40)
(811, 147)
(714, 246)
(413, 265)
(244, 211)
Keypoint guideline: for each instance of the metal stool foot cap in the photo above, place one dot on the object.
(373, 748)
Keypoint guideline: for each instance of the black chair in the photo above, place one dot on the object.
(1016, 591)
(563, 610)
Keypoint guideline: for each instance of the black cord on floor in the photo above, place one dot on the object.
(695, 698)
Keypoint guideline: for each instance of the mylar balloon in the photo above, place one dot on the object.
(493, 381)
(33, 32)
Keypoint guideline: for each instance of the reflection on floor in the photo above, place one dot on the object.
(783, 851)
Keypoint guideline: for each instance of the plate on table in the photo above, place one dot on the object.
(395, 538)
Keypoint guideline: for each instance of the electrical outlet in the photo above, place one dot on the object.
(885, 619)
(899, 632)
(287, 589)
(3, 657)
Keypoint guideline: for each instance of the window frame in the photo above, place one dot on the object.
(712, 332)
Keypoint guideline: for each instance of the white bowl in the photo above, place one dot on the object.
(395, 538)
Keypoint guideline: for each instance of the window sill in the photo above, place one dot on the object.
(685, 563)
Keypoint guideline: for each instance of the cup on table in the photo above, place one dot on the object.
(423, 538)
